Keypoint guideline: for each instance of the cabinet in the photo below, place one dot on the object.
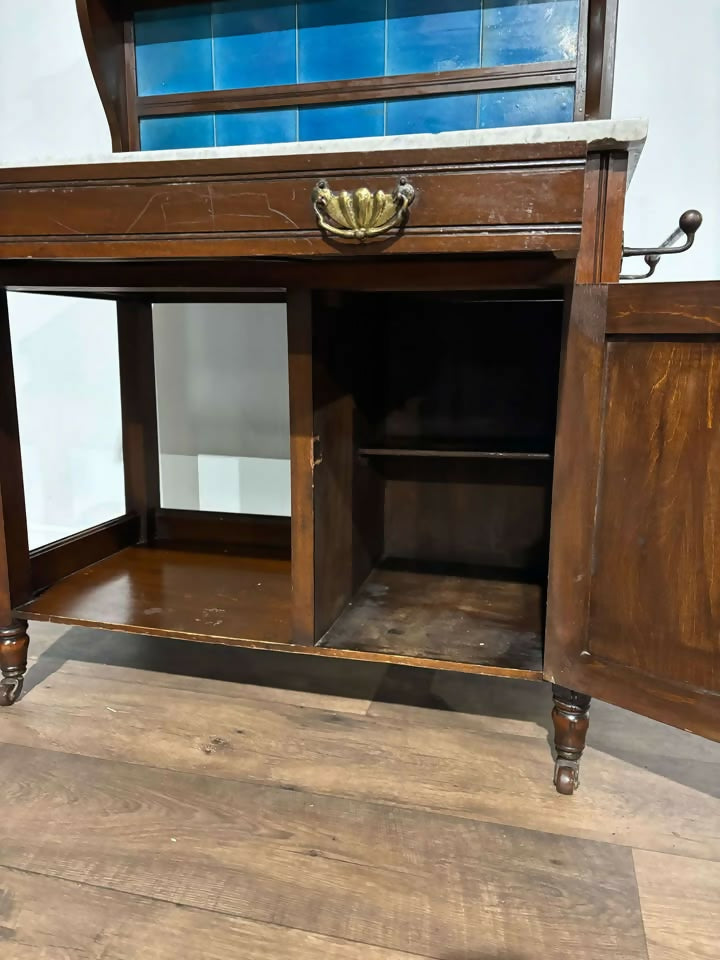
(503, 461)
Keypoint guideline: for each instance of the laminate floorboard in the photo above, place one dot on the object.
(406, 880)
(43, 918)
(679, 899)
(439, 767)
(162, 799)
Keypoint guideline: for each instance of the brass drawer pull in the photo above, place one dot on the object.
(361, 215)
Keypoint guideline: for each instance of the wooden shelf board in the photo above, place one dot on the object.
(190, 594)
(488, 626)
(460, 449)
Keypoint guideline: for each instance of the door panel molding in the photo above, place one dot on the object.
(634, 589)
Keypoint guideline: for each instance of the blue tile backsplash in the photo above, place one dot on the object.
(254, 44)
(235, 44)
(340, 39)
(256, 126)
(173, 50)
(342, 120)
(518, 31)
(176, 133)
(524, 105)
(425, 36)
(433, 114)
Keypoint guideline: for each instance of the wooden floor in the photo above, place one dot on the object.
(162, 800)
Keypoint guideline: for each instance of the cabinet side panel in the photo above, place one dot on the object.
(14, 552)
(302, 523)
(334, 406)
(655, 603)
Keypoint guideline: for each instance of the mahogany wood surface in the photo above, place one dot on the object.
(361, 89)
(302, 465)
(138, 401)
(161, 591)
(493, 624)
(658, 613)
(675, 309)
(201, 278)
(225, 530)
(54, 561)
(639, 626)
(15, 575)
(494, 199)
(104, 39)
(599, 258)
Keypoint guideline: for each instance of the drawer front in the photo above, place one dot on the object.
(461, 204)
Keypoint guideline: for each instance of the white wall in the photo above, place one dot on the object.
(65, 350)
(666, 69)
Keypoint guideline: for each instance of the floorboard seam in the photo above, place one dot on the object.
(222, 696)
(640, 905)
(263, 784)
(146, 898)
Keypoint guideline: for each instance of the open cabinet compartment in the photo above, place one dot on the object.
(187, 573)
(434, 425)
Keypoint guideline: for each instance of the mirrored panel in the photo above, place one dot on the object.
(65, 351)
(223, 407)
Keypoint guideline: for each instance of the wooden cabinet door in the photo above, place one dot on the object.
(634, 591)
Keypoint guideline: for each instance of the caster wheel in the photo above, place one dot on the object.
(10, 690)
(566, 778)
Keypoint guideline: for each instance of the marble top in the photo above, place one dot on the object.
(623, 134)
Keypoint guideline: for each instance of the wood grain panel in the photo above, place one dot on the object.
(577, 453)
(57, 560)
(298, 860)
(467, 202)
(15, 580)
(141, 449)
(655, 604)
(491, 623)
(193, 594)
(664, 309)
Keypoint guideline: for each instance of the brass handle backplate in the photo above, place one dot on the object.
(361, 215)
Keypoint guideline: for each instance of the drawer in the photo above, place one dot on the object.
(463, 200)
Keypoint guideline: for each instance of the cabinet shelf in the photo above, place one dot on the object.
(191, 594)
(459, 450)
(492, 626)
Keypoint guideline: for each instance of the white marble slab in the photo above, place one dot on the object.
(623, 134)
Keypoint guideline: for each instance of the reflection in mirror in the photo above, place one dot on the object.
(65, 351)
(223, 407)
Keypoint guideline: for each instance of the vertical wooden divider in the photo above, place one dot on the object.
(15, 585)
(302, 465)
(141, 455)
(321, 450)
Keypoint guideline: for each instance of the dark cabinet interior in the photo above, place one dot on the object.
(445, 455)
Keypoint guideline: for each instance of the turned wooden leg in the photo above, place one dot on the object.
(570, 719)
(13, 661)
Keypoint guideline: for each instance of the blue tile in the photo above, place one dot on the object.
(518, 31)
(175, 133)
(432, 114)
(173, 50)
(256, 126)
(518, 108)
(430, 35)
(341, 39)
(254, 43)
(340, 121)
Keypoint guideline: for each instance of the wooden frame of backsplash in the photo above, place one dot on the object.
(107, 28)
